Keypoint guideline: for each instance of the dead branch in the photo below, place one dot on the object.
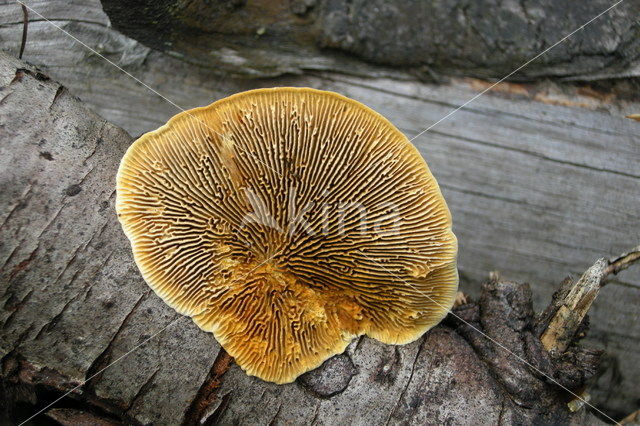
(572, 301)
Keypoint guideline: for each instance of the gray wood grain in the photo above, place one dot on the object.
(537, 191)
(76, 312)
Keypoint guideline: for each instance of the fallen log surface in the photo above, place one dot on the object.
(426, 38)
(540, 182)
(77, 316)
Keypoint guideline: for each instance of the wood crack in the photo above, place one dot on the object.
(216, 415)
(102, 360)
(484, 111)
(23, 264)
(535, 154)
(64, 270)
(56, 318)
(92, 280)
(404, 390)
(275, 417)
(208, 390)
(144, 389)
(314, 420)
(64, 21)
(22, 200)
(56, 96)
(5, 97)
(98, 142)
(96, 234)
(492, 197)
(467, 332)
(55, 216)
(15, 309)
(10, 257)
(502, 411)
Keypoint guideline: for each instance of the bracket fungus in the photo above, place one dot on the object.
(287, 222)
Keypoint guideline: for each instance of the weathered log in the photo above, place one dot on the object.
(77, 317)
(484, 38)
(539, 178)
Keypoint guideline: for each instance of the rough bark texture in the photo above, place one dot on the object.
(537, 189)
(486, 38)
(74, 303)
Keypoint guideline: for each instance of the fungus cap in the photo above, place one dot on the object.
(288, 221)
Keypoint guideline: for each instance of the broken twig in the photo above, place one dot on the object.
(572, 301)
(623, 261)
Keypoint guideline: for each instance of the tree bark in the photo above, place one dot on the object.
(78, 317)
(540, 178)
(479, 38)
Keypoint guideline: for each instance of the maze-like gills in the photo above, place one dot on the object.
(286, 222)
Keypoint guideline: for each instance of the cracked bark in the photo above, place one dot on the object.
(146, 386)
(104, 359)
(77, 245)
(103, 262)
(207, 394)
(447, 37)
